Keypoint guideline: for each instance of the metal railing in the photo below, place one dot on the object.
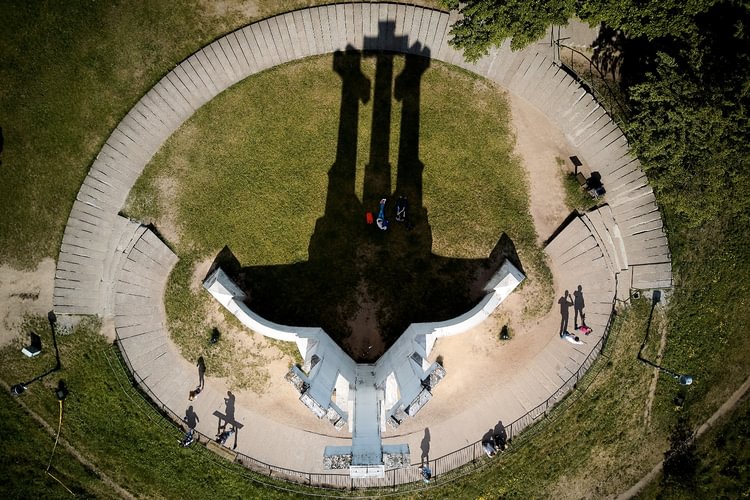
(593, 80)
(469, 455)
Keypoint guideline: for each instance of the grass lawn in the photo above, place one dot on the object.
(261, 168)
(109, 423)
(69, 73)
(71, 70)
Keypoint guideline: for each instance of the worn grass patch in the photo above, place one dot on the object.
(576, 198)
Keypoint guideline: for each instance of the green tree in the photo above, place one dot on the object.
(487, 23)
(651, 19)
(688, 146)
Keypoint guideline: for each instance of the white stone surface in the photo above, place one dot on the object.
(373, 393)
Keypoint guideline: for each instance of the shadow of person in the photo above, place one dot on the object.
(578, 305)
(425, 446)
(354, 267)
(229, 402)
(227, 418)
(191, 418)
(201, 364)
(565, 303)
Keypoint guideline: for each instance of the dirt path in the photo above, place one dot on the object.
(539, 144)
(728, 406)
(662, 345)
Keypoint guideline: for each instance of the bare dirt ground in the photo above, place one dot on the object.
(24, 293)
(476, 360)
(540, 144)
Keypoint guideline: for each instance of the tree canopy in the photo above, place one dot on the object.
(687, 84)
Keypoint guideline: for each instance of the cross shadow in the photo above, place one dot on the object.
(364, 286)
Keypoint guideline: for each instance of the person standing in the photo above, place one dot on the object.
(565, 303)
(578, 306)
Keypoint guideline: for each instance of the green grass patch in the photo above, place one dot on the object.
(576, 197)
(110, 424)
(722, 463)
(71, 70)
(267, 170)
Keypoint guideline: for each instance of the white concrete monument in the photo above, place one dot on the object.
(367, 397)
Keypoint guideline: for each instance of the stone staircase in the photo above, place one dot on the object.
(624, 247)
(141, 267)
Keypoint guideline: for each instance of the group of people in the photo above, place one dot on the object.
(495, 443)
(402, 204)
(191, 418)
(578, 305)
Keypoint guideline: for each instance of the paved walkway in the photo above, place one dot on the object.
(110, 266)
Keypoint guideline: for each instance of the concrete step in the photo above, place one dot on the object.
(593, 221)
(658, 275)
(617, 238)
(573, 234)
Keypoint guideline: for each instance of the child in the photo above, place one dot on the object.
(585, 329)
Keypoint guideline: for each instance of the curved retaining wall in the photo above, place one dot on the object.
(88, 271)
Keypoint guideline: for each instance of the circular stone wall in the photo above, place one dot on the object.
(113, 267)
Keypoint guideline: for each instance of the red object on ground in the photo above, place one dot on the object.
(368, 216)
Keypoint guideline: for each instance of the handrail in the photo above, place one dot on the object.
(469, 454)
(624, 112)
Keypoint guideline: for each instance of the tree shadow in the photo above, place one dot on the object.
(623, 59)
(355, 269)
(723, 51)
